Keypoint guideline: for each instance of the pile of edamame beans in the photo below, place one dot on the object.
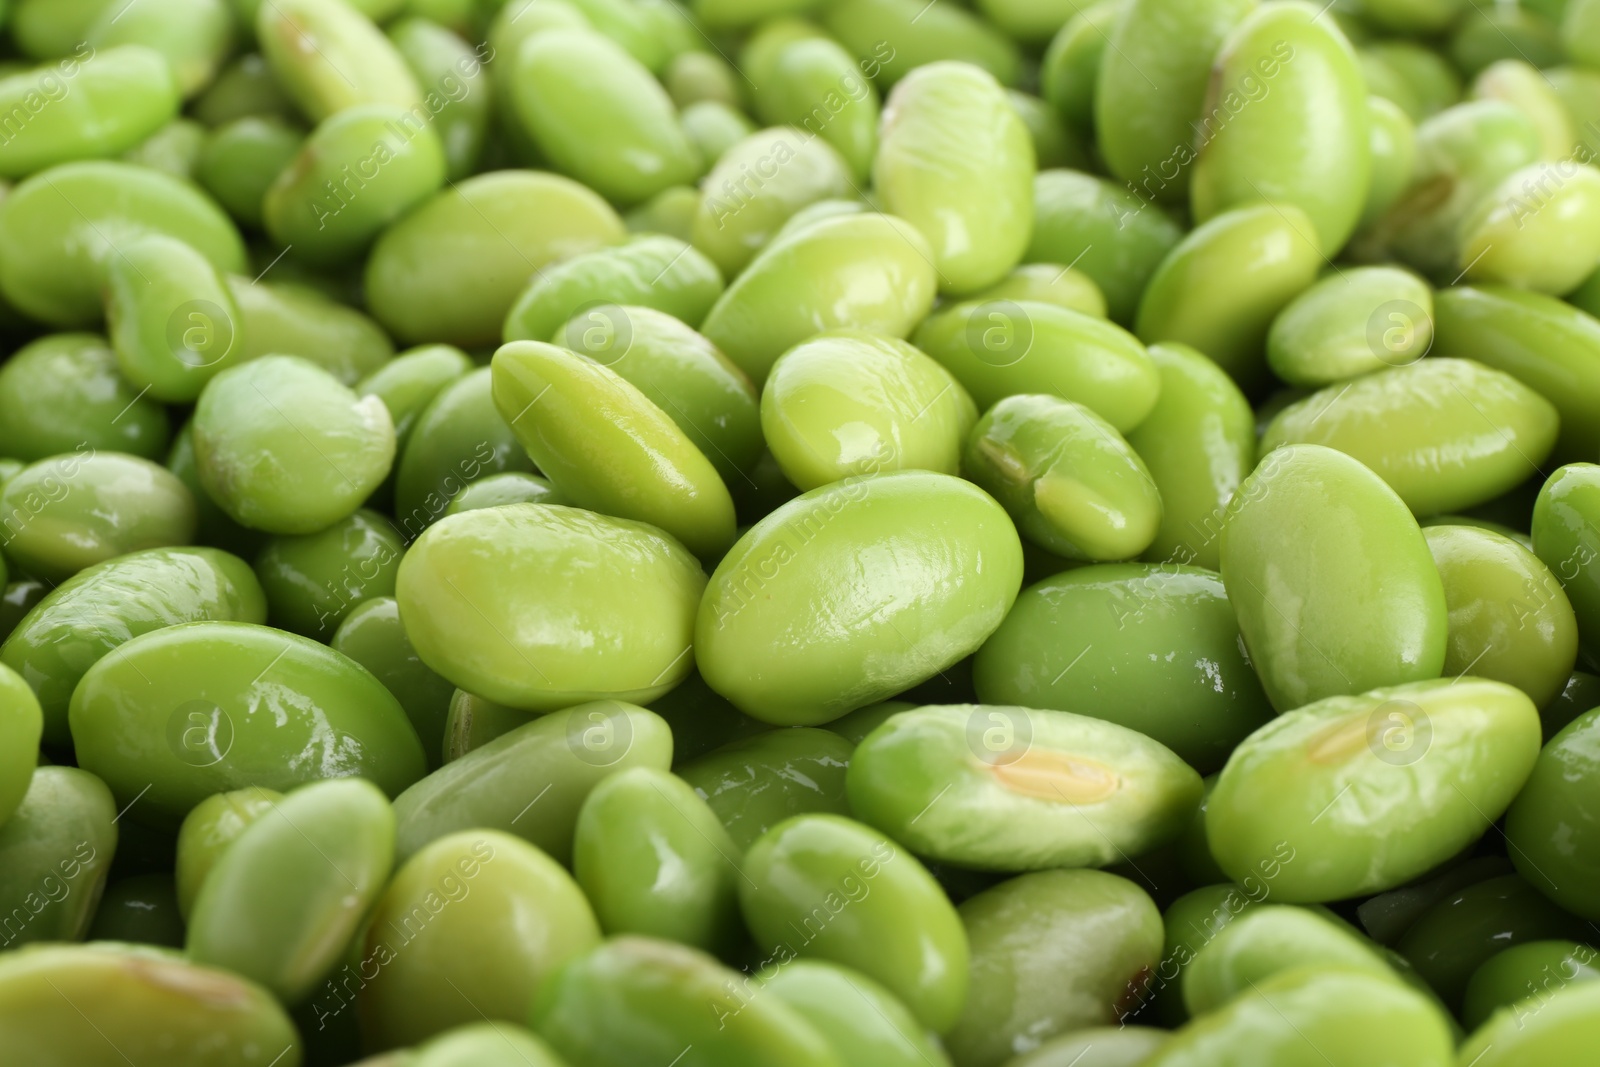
(799, 533)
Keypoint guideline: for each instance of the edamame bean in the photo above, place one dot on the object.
(435, 954)
(1528, 973)
(21, 724)
(766, 636)
(863, 1021)
(190, 710)
(597, 114)
(554, 760)
(654, 859)
(957, 113)
(1104, 230)
(893, 37)
(1562, 1026)
(84, 507)
(1152, 648)
(1419, 427)
(825, 887)
(1283, 75)
(1552, 821)
(55, 853)
(328, 56)
(360, 170)
(451, 270)
(241, 159)
(1144, 124)
(1538, 229)
(987, 344)
(1352, 323)
(1271, 256)
(757, 185)
(1097, 1046)
(194, 37)
(512, 487)
(312, 581)
(456, 91)
(171, 318)
(709, 398)
(754, 783)
(246, 87)
(64, 390)
(1392, 145)
(280, 905)
(408, 383)
(373, 635)
(295, 320)
(1321, 616)
(812, 82)
(1066, 477)
(496, 1044)
(61, 229)
(1432, 763)
(207, 831)
(567, 411)
(100, 1005)
(1051, 952)
(639, 1000)
(1198, 445)
(845, 402)
(99, 107)
(284, 447)
(857, 271)
(1509, 620)
(505, 563)
(101, 607)
(1019, 789)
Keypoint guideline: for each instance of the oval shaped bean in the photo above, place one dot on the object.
(568, 411)
(1331, 578)
(1524, 977)
(987, 345)
(408, 383)
(473, 722)
(281, 904)
(295, 320)
(683, 374)
(492, 600)
(1152, 648)
(1556, 1028)
(100, 1005)
(451, 270)
(863, 1021)
(1392, 146)
(456, 92)
(1566, 536)
(1285, 76)
(313, 581)
(653, 271)
(533, 780)
(361, 169)
(1198, 445)
(825, 887)
(639, 1000)
(21, 725)
(1066, 477)
(55, 853)
(1553, 822)
(328, 56)
(171, 317)
(1509, 620)
(813, 83)
(54, 234)
(436, 948)
(1538, 229)
(106, 104)
(284, 447)
(1422, 429)
(277, 710)
(207, 831)
(957, 114)
(1222, 286)
(1145, 123)
(1051, 952)
(69, 512)
(1097, 1046)
(893, 37)
(95, 611)
(861, 271)
(1545, 343)
(754, 783)
(64, 390)
(486, 1044)
(847, 402)
(947, 566)
(653, 859)
(1352, 323)
(1006, 788)
(1431, 763)
(597, 114)
(512, 487)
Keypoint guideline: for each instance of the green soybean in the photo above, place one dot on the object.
(277, 710)
(456, 91)
(468, 583)
(373, 636)
(312, 581)
(1456, 752)
(1545, 1032)
(207, 831)
(1566, 536)
(1538, 229)
(241, 159)
(97, 610)
(21, 725)
(814, 83)
(295, 320)
(171, 317)
(1552, 823)
(1524, 977)
(1363, 616)
(1352, 323)
(64, 390)
(766, 639)
(893, 37)
(860, 1019)
(328, 56)
(754, 783)
(55, 852)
